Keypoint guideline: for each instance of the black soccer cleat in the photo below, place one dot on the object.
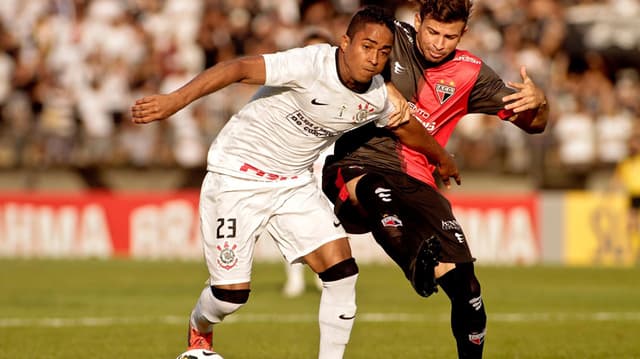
(423, 277)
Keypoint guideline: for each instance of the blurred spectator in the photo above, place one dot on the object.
(626, 179)
(613, 128)
(70, 68)
(575, 133)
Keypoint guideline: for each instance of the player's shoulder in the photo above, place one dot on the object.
(465, 56)
(405, 31)
(316, 51)
(406, 28)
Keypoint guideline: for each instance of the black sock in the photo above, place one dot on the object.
(468, 316)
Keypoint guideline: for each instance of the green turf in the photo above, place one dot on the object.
(133, 309)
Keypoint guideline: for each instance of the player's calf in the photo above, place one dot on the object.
(337, 308)
(468, 316)
(212, 307)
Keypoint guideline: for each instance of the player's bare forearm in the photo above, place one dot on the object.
(415, 136)
(249, 70)
(534, 120)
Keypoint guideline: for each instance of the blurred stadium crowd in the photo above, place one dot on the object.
(70, 69)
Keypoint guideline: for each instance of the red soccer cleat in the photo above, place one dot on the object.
(197, 340)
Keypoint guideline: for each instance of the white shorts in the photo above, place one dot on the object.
(235, 212)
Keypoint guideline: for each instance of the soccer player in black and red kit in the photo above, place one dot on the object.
(379, 185)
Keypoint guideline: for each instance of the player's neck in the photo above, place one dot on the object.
(345, 77)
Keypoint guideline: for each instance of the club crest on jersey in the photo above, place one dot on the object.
(227, 258)
(363, 112)
(445, 91)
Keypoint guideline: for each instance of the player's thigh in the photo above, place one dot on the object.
(232, 214)
(304, 222)
(429, 213)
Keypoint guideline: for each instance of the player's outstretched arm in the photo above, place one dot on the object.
(414, 135)
(250, 70)
(529, 104)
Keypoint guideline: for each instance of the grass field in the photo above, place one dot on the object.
(133, 309)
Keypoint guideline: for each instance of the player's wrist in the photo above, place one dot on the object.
(542, 104)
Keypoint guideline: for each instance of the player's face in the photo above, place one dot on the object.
(436, 40)
(366, 54)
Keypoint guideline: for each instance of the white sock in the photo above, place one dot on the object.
(336, 316)
(210, 310)
(294, 286)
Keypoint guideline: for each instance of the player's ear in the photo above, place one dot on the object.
(417, 20)
(345, 40)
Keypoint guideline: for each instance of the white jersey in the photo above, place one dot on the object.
(302, 109)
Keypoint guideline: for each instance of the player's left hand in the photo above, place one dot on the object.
(153, 108)
(402, 111)
(527, 97)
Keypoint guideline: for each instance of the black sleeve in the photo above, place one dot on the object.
(386, 72)
(488, 91)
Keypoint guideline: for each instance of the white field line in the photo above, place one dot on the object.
(312, 318)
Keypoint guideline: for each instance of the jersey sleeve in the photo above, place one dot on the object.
(488, 91)
(293, 68)
(385, 114)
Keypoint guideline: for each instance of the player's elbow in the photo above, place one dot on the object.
(529, 124)
(535, 128)
(406, 136)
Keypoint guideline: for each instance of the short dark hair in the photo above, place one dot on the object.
(370, 14)
(446, 11)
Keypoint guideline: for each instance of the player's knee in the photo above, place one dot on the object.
(341, 270)
(235, 296)
(468, 281)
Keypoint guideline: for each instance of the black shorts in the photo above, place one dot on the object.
(635, 202)
(423, 211)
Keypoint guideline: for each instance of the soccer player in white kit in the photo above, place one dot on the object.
(259, 176)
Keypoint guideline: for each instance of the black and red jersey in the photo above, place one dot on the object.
(439, 93)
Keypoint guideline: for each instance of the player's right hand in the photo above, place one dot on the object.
(153, 108)
(448, 169)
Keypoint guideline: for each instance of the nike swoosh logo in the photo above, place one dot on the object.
(208, 353)
(336, 224)
(316, 102)
(343, 316)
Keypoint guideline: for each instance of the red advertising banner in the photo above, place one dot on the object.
(501, 229)
(149, 225)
